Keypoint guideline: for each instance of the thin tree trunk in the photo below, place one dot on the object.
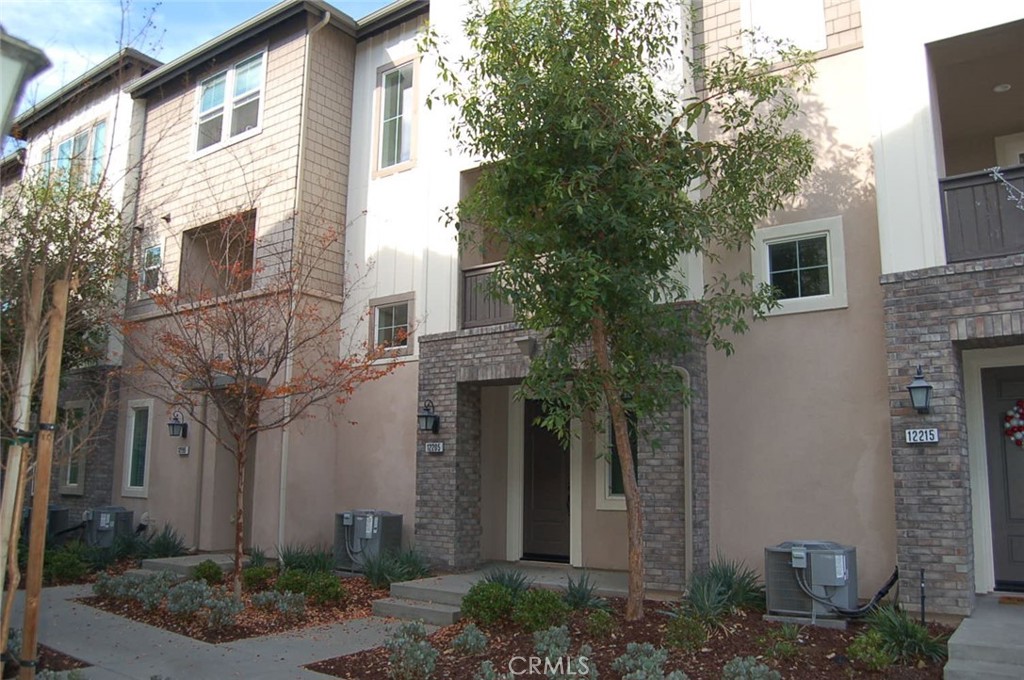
(14, 573)
(241, 457)
(634, 503)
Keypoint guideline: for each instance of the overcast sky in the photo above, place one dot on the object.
(78, 34)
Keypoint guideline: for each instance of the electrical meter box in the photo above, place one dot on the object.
(359, 534)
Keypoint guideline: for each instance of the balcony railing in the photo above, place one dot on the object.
(478, 308)
(978, 220)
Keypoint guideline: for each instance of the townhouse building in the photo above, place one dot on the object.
(901, 251)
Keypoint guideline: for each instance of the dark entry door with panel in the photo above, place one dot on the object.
(545, 492)
(1001, 389)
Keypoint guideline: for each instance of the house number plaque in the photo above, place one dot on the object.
(434, 447)
(923, 435)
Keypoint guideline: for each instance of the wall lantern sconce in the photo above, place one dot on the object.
(527, 346)
(920, 392)
(427, 420)
(177, 425)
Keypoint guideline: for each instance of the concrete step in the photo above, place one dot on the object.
(186, 564)
(989, 644)
(958, 669)
(428, 590)
(414, 610)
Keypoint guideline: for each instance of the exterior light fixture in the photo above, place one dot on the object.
(527, 346)
(1002, 87)
(920, 392)
(427, 420)
(19, 63)
(177, 427)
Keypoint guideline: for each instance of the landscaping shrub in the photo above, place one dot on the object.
(63, 566)
(130, 546)
(221, 609)
(324, 587)
(152, 589)
(903, 639)
(291, 605)
(14, 641)
(410, 656)
(385, 568)
(470, 641)
(748, 668)
(515, 580)
(601, 623)
(582, 594)
(167, 543)
(644, 662)
(257, 557)
(685, 633)
(487, 602)
(487, 671)
(741, 584)
(257, 578)
(706, 601)
(308, 558)
(186, 599)
(781, 643)
(537, 609)
(869, 649)
(208, 571)
(552, 643)
(292, 581)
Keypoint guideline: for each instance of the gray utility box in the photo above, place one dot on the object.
(359, 534)
(58, 518)
(105, 523)
(828, 570)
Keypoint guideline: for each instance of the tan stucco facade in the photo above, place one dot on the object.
(799, 414)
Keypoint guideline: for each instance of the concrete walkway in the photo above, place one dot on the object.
(119, 648)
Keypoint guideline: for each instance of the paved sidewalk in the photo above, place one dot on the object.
(119, 648)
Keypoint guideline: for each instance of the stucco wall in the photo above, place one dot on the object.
(799, 417)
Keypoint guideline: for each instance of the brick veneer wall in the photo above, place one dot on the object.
(931, 315)
(453, 367)
(98, 480)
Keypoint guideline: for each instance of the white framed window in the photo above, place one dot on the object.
(391, 323)
(82, 156)
(805, 262)
(138, 433)
(230, 103)
(149, 276)
(800, 22)
(610, 492)
(396, 103)
(72, 469)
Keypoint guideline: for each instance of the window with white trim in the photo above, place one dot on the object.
(611, 491)
(229, 103)
(798, 22)
(391, 323)
(149, 277)
(805, 262)
(82, 156)
(137, 446)
(396, 116)
(72, 469)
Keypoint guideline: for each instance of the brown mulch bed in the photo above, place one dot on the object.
(252, 622)
(821, 652)
(50, 660)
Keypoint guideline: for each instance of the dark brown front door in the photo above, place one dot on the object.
(1001, 388)
(546, 491)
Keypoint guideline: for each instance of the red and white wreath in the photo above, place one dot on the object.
(1013, 423)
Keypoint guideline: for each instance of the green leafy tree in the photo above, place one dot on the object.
(597, 181)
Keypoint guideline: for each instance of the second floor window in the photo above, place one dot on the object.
(396, 116)
(229, 103)
(82, 156)
(151, 263)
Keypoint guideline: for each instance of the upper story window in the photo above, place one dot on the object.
(396, 116)
(800, 22)
(391, 323)
(229, 103)
(82, 156)
(805, 262)
(149, 278)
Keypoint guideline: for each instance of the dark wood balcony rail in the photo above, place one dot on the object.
(478, 308)
(978, 219)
